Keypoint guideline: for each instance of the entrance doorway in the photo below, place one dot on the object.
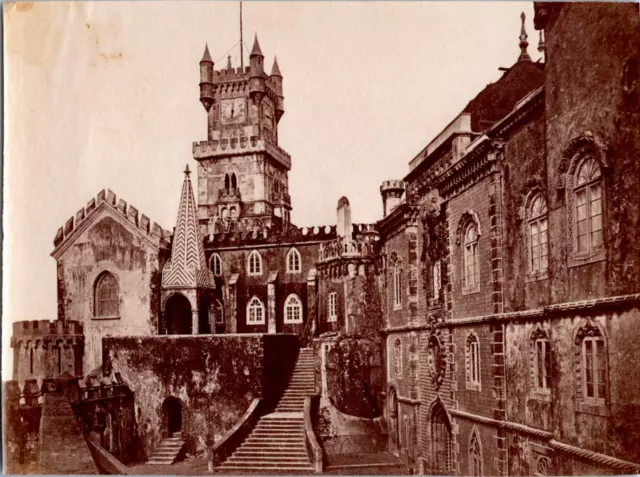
(172, 415)
(178, 314)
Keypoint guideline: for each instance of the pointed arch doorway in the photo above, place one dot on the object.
(172, 416)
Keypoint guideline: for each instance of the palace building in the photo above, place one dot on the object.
(485, 325)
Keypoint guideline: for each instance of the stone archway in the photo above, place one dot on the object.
(178, 314)
(171, 416)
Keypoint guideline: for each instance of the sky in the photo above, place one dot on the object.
(105, 95)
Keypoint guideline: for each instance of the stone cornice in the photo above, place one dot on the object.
(402, 216)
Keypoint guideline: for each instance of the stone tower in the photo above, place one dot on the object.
(242, 172)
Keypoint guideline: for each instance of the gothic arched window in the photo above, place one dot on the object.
(538, 246)
(255, 312)
(254, 263)
(226, 181)
(293, 309)
(471, 267)
(588, 208)
(294, 264)
(106, 296)
(472, 358)
(475, 454)
(216, 264)
(441, 433)
(397, 285)
(397, 357)
(234, 181)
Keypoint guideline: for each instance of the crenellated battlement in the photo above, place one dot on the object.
(27, 332)
(392, 185)
(129, 212)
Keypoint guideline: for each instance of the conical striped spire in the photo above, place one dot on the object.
(188, 266)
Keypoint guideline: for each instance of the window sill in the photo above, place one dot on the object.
(578, 260)
(543, 395)
(593, 409)
(470, 291)
(105, 318)
(294, 272)
(256, 323)
(536, 277)
(473, 386)
(293, 322)
(397, 307)
(332, 320)
(254, 274)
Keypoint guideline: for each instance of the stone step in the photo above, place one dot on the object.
(273, 465)
(271, 452)
(268, 458)
(262, 445)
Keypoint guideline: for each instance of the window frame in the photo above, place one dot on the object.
(397, 286)
(598, 363)
(255, 303)
(470, 249)
(216, 259)
(258, 268)
(332, 307)
(539, 219)
(293, 254)
(288, 303)
(598, 403)
(219, 312)
(475, 457)
(397, 357)
(473, 370)
(442, 442)
(97, 303)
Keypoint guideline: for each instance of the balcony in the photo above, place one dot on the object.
(230, 194)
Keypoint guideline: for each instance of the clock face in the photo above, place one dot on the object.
(232, 111)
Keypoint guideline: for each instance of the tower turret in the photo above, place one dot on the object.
(391, 192)
(206, 79)
(276, 77)
(256, 75)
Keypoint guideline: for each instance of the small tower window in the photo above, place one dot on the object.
(293, 310)
(59, 359)
(475, 455)
(255, 312)
(226, 181)
(471, 270)
(472, 358)
(254, 263)
(234, 182)
(293, 261)
(31, 361)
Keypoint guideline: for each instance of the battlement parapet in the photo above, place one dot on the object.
(79, 389)
(43, 331)
(129, 212)
(242, 145)
(392, 185)
(347, 247)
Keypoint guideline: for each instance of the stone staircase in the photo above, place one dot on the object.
(167, 451)
(277, 442)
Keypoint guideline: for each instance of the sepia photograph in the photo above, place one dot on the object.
(344, 238)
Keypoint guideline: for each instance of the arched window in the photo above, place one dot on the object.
(219, 312)
(234, 182)
(216, 264)
(538, 236)
(31, 361)
(588, 208)
(106, 296)
(60, 359)
(255, 312)
(397, 357)
(472, 358)
(594, 368)
(397, 286)
(254, 263)
(475, 454)
(471, 268)
(226, 181)
(441, 433)
(293, 309)
(293, 261)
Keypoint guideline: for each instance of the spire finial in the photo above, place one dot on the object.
(256, 47)
(187, 171)
(275, 70)
(229, 62)
(523, 40)
(541, 45)
(206, 57)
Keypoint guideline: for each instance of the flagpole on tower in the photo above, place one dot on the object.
(241, 43)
